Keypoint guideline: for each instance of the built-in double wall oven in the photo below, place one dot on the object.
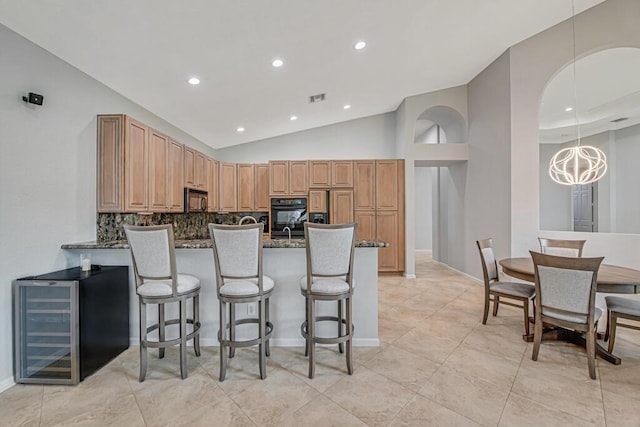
(291, 213)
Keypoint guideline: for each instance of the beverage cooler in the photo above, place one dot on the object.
(69, 323)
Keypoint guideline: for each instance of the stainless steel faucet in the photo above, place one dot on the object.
(247, 218)
(289, 230)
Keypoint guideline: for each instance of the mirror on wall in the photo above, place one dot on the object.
(606, 101)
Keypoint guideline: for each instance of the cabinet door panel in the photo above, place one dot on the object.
(317, 201)
(136, 166)
(320, 173)
(175, 173)
(214, 184)
(387, 231)
(245, 187)
(342, 173)
(387, 190)
(189, 167)
(366, 225)
(261, 197)
(364, 185)
(158, 169)
(109, 180)
(279, 177)
(228, 187)
(299, 175)
(201, 172)
(341, 207)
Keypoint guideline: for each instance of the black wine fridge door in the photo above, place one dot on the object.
(46, 338)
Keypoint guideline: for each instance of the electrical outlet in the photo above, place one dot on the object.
(251, 309)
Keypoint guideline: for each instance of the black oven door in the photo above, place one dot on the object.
(290, 215)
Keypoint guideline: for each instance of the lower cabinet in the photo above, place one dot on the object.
(366, 225)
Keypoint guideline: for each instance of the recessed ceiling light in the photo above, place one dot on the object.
(240, 129)
(292, 118)
(360, 45)
(194, 81)
(277, 63)
(568, 109)
(346, 106)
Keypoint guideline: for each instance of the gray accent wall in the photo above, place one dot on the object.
(48, 164)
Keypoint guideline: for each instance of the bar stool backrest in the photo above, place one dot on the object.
(330, 249)
(237, 250)
(153, 253)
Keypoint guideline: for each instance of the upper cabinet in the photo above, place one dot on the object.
(136, 166)
(110, 163)
(317, 201)
(387, 188)
(342, 173)
(261, 196)
(228, 187)
(341, 206)
(299, 177)
(175, 174)
(213, 203)
(158, 171)
(364, 184)
(246, 191)
(319, 173)
(201, 172)
(279, 177)
(189, 167)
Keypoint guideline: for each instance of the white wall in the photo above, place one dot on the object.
(627, 212)
(370, 137)
(48, 165)
(534, 62)
(423, 205)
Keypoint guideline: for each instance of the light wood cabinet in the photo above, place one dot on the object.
(364, 184)
(246, 188)
(341, 206)
(299, 177)
(158, 171)
(279, 177)
(319, 173)
(175, 177)
(387, 231)
(136, 166)
(189, 167)
(228, 187)
(366, 225)
(317, 201)
(213, 202)
(110, 163)
(261, 196)
(387, 188)
(342, 173)
(201, 172)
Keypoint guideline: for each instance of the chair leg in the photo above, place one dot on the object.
(537, 337)
(340, 345)
(591, 353)
(526, 316)
(262, 346)
(221, 338)
(612, 336)
(183, 338)
(311, 318)
(607, 330)
(306, 316)
(350, 334)
(232, 328)
(496, 302)
(266, 310)
(487, 301)
(143, 341)
(196, 323)
(161, 329)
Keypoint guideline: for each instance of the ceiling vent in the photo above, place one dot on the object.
(317, 98)
(621, 119)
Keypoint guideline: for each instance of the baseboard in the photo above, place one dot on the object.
(279, 342)
(409, 276)
(475, 279)
(6, 384)
(423, 251)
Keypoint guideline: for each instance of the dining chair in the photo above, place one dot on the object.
(157, 282)
(565, 297)
(330, 253)
(237, 254)
(559, 247)
(620, 307)
(495, 289)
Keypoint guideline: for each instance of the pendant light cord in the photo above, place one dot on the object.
(575, 83)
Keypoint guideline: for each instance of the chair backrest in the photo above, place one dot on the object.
(330, 249)
(153, 252)
(567, 248)
(566, 286)
(488, 259)
(237, 251)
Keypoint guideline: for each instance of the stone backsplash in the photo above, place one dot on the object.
(185, 226)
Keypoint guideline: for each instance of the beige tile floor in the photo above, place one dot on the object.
(437, 365)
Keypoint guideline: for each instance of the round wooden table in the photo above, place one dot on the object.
(611, 279)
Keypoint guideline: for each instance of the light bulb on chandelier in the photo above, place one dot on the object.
(577, 165)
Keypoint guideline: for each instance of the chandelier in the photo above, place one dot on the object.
(582, 164)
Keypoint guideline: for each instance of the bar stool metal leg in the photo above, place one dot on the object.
(350, 334)
(196, 323)
(143, 340)
(232, 328)
(183, 338)
(340, 345)
(161, 329)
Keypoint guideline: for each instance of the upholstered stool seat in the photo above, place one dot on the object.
(237, 254)
(326, 285)
(620, 307)
(157, 282)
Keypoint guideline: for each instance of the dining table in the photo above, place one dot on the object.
(611, 279)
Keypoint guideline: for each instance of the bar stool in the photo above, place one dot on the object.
(237, 253)
(330, 250)
(157, 282)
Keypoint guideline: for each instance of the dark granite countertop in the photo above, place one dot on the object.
(206, 243)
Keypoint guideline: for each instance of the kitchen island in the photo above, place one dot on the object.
(284, 261)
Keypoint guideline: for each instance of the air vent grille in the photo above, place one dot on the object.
(317, 98)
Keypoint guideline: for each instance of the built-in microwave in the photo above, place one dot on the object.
(195, 200)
